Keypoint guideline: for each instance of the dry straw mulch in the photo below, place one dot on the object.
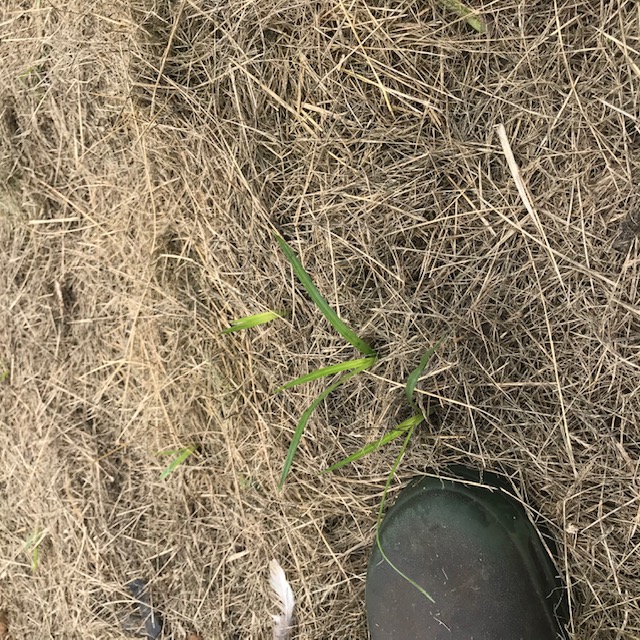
(148, 151)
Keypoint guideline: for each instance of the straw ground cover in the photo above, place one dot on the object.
(150, 150)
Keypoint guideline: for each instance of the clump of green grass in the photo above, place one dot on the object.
(348, 370)
(180, 456)
(406, 427)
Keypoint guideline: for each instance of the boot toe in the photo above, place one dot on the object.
(478, 557)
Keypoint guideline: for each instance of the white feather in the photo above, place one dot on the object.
(282, 623)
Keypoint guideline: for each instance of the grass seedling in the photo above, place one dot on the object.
(180, 456)
(467, 14)
(252, 321)
(404, 428)
(348, 369)
(351, 367)
(32, 548)
(4, 375)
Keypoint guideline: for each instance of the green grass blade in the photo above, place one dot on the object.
(302, 423)
(360, 363)
(414, 376)
(183, 454)
(336, 322)
(467, 14)
(380, 510)
(32, 548)
(251, 321)
(401, 429)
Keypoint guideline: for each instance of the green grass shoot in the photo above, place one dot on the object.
(352, 367)
(466, 13)
(180, 456)
(336, 322)
(407, 425)
(4, 375)
(32, 548)
(302, 423)
(249, 322)
(414, 376)
(360, 363)
(400, 430)
(349, 369)
(396, 464)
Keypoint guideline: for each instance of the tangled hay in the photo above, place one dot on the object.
(149, 150)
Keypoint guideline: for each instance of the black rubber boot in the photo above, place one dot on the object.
(474, 551)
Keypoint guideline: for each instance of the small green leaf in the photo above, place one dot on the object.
(302, 423)
(401, 429)
(182, 455)
(414, 376)
(336, 322)
(32, 547)
(249, 322)
(466, 14)
(4, 376)
(360, 363)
